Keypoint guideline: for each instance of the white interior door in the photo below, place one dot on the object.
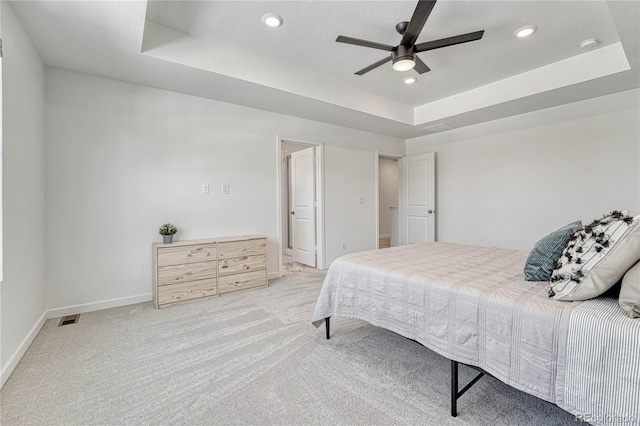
(303, 215)
(418, 196)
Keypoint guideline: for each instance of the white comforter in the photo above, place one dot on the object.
(470, 304)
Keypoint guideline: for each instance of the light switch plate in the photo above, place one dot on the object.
(225, 188)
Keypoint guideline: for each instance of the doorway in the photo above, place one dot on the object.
(388, 194)
(411, 207)
(300, 201)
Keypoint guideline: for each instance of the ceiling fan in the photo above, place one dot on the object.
(404, 56)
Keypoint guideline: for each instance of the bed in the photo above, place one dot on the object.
(472, 305)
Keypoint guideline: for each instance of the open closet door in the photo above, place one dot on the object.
(417, 199)
(303, 212)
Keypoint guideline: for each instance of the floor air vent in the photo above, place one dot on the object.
(69, 319)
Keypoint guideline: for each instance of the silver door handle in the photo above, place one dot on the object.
(430, 211)
(293, 212)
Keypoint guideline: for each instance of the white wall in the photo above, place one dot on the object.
(389, 174)
(344, 216)
(123, 158)
(510, 182)
(22, 289)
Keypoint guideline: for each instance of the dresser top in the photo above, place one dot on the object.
(210, 241)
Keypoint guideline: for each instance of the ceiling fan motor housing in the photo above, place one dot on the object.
(401, 53)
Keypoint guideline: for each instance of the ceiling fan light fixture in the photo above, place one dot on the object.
(409, 80)
(403, 58)
(403, 64)
(525, 31)
(272, 20)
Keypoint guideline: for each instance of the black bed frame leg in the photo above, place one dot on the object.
(454, 388)
(326, 322)
(455, 394)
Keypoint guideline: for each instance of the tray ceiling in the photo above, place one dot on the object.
(222, 50)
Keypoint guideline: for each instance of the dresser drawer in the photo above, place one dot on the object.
(187, 272)
(242, 281)
(186, 254)
(238, 265)
(175, 293)
(242, 248)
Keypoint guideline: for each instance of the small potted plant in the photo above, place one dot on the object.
(167, 231)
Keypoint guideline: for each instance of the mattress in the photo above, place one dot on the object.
(469, 304)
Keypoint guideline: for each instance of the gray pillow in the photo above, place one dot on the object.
(630, 292)
(547, 251)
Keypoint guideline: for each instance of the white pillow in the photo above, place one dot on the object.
(630, 292)
(596, 257)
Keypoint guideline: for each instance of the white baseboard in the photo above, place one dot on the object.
(22, 349)
(98, 306)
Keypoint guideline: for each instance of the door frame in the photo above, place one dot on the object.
(320, 225)
(377, 191)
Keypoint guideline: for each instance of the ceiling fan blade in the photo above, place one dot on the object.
(374, 65)
(421, 67)
(420, 15)
(449, 41)
(365, 43)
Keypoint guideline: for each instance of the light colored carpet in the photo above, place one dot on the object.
(246, 358)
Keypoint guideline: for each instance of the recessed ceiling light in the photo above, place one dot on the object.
(272, 20)
(525, 31)
(409, 80)
(590, 43)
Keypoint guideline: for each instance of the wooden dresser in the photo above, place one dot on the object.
(188, 270)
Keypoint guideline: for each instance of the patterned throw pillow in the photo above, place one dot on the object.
(547, 251)
(630, 292)
(596, 257)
